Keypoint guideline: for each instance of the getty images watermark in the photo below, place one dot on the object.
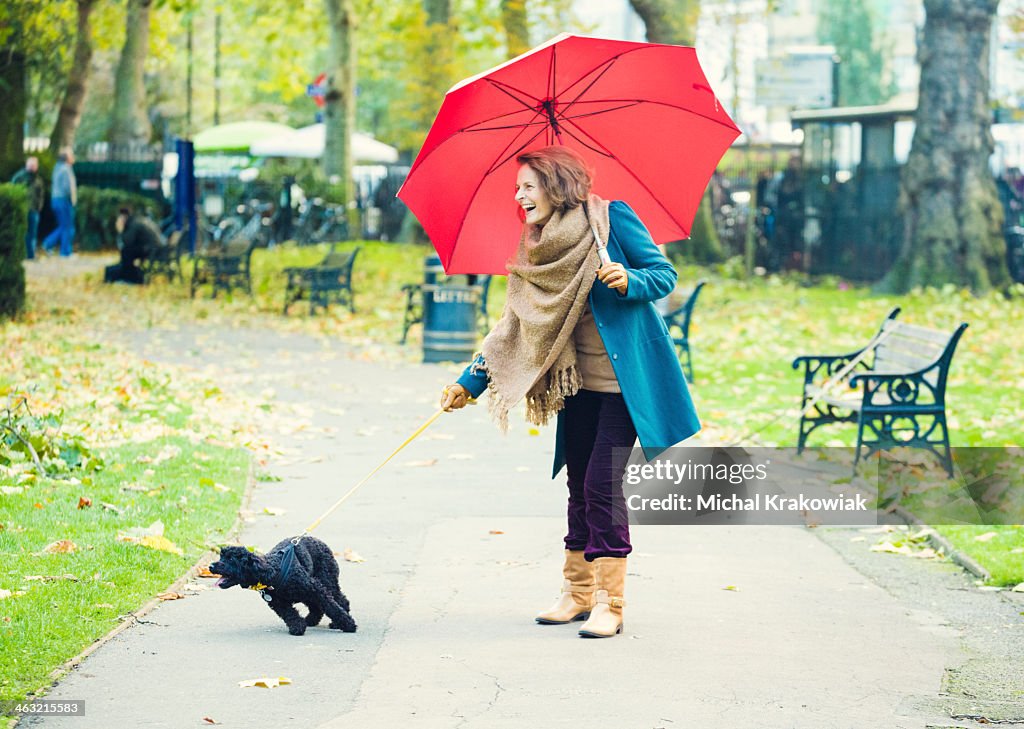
(720, 485)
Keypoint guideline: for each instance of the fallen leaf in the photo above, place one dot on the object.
(151, 537)
(208, 720)
(731, 588)
(495, 531)
(351, 556)
(84, 502)
(170, 596)
(273, 511)
(204, 571)
(64, 546)
(265, 682)
(986, 537)
(533, 431)
(111, 507)
(1018, 588)
(891, 548)
(4, 594)
(162, 544)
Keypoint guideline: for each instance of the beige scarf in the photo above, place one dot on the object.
(531, 352)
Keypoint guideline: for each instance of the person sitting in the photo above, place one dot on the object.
(138, 237)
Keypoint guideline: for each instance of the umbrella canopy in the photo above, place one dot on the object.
(309, 142)
(237, 136)
(642, 114)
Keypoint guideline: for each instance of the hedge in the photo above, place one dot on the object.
(13, 229)
(96, 212)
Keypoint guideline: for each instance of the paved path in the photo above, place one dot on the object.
(460, 554)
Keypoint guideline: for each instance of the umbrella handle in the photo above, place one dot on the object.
(602, 248)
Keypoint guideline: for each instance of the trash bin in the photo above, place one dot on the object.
(449, 322)
(432, 268)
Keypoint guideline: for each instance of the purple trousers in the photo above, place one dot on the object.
(593, 424)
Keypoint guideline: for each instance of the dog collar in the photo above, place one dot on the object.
(263, 590)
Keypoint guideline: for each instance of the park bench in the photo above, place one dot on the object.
(225, 266)
(414, 306)
(165, 260)
(328, 281)
(901, 374)
(678, 323)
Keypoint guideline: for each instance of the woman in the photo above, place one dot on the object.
(597, 355)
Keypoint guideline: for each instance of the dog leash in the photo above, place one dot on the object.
(366, 478)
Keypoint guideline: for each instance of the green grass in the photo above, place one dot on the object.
(1002, 555)
(196, 495)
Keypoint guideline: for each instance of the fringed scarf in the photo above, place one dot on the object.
(531, 352)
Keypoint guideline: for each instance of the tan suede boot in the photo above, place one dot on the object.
(577, 596)
(606, 617)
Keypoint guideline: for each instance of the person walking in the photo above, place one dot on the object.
(63, 198)
(596, 356)
(30, 178)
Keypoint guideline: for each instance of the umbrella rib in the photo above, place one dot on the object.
(607, 65)
(632, 174)
(633, 102)
(507, 89)
(484, 176)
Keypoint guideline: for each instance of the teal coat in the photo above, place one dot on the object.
(637, 341)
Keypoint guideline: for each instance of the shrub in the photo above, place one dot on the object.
(13, 229)
(96, 211)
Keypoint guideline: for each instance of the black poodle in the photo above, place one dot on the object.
(310, 577)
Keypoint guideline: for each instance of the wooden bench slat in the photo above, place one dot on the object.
(890, 359)
(915, 332)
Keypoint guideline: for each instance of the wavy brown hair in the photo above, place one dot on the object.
(564, 176)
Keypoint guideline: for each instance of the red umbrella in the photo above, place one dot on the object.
(642, 114)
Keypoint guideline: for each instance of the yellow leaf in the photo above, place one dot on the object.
(351, 556)
(161, 543)
(731, 588)
(265, 682)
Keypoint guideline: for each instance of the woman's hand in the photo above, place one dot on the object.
(614, 276)
(454, 397)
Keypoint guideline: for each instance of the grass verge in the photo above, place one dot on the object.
(61, 602)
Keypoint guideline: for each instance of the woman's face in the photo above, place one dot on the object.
(532, 198)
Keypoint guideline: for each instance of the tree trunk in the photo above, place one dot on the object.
(669, 21)
(12, 120)
(517, 30)
(129, 122)
(675, 22)
(340, 108)
(78, 79)
(438, 11)
(951, 215)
